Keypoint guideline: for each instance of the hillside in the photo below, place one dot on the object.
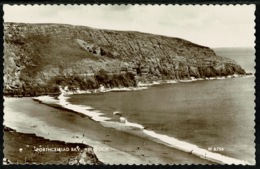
(39, 57)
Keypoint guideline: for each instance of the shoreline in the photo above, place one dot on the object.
(91, 144)
(140, 86)
(162, 139)
(118, 145)
(143, 86)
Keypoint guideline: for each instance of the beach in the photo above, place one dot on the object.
(66, 119)
(110, 146)
(193, 116)
(107, 91)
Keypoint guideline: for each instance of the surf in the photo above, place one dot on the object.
(124, 125)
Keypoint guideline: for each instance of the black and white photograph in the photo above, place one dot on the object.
(129, 84)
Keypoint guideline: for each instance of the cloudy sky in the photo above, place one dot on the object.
(213, 26)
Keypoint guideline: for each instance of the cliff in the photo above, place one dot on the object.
(39, 57)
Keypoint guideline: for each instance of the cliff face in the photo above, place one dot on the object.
(46, 55)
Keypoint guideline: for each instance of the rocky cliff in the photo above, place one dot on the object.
(39, 57)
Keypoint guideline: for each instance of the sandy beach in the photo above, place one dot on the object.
(110, 146)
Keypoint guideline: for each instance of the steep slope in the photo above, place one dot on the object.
(39, 57)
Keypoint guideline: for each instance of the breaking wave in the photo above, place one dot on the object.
(124, 125)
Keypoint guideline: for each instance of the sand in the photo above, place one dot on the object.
(110, 146)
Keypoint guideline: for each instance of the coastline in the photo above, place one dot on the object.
(77, 95)
(118, 153)
(118, 145)
(163, 139)
(140, 86)
(143, 86)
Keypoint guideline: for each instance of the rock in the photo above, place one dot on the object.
(89, 47)
(39, 57)
(86, 156)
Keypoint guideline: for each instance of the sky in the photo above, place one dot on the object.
(212, 26)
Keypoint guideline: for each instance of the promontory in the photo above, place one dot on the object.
(40, 57)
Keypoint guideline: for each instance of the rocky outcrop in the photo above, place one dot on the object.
(40, 56)
(92, 48)
(86, 156)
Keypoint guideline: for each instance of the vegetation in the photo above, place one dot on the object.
(115, 80)
(75, 82)
(31, 91)
(41, 57)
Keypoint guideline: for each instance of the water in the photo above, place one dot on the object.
(214, 113)
(217, 114)
(111, 146)
(199, 115)
(244, 56)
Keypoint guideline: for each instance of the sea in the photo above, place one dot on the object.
(211, 119)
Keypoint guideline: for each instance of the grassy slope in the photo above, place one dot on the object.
(48, 51)
(45, 57)
(28, 156)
